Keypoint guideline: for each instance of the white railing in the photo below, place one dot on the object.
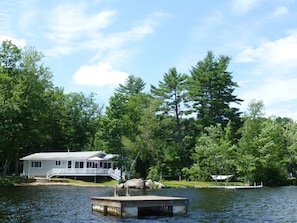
(115, 174)
(50, 174)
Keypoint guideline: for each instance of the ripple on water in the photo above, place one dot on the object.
(65, 204)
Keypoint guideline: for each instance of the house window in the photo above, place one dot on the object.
(36, 164)
(58, 163)
(90, 164)
(79, 164)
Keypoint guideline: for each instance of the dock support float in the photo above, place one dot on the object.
(137, 206)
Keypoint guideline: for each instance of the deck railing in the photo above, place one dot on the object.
(115, 174)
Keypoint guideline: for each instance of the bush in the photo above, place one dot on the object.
(4, 181)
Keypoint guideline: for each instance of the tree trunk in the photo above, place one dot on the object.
(5, 168)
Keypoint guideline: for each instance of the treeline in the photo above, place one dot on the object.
(186, 127)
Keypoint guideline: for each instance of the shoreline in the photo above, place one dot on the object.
(62, 183)
(59, 182)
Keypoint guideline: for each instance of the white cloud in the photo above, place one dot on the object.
(114, 46)
(271, 74)
(244, 6)
(100, 74)
(72, 28)
(278, 56)
(279, 11)
(17, 42)
(72, 21)
(272, 90)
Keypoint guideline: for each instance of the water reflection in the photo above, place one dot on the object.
(72, 204)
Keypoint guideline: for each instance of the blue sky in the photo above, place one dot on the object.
(93, 45)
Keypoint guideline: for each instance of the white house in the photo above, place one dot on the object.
(90, 163)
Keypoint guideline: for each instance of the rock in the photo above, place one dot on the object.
(149, 184)
(121, 185)
(135, 183)
(141, 184)
(159, 185)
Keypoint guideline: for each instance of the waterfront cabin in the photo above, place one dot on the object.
(70, 164)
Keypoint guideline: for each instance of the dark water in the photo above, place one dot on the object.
(72, 204)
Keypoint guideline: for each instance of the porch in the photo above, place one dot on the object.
(113, 173)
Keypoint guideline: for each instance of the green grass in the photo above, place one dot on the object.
(189, 184)
(16, 180)
(167, 183)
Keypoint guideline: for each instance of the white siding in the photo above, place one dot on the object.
(58, 164)
(46, 165)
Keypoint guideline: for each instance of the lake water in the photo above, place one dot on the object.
(72, 204)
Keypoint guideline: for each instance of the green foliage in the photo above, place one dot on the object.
(211, 92)
(261, 148)
(35, 116)
(5, 182)
(213, 155)
(24, 83)
(154, 173)
(172, 94)
(122, 128)
(290, 143)
(185, 127)
(133, 86)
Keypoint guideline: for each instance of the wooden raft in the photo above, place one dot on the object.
(136, 206)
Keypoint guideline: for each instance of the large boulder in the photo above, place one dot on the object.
(135, 183)
(141, 184)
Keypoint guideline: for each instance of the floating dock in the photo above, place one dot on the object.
(137, 206)
(239, 187)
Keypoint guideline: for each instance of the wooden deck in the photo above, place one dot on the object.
(115, 174)
(136, 206)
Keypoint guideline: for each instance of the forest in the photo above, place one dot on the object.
(187, 127)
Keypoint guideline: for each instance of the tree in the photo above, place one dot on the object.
(35, 82)
(24, 83)
(261, 149)
(214, 154)
(126, 109)
(172, 93)
(290, 134)
(248, 154)
(10, 56)
(271, 169)
(79, 121)
(211, 92)
(10, 98)
(133, 86)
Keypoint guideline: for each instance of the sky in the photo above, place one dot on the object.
(91, 46)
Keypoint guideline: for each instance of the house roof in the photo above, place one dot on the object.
(68, 155)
